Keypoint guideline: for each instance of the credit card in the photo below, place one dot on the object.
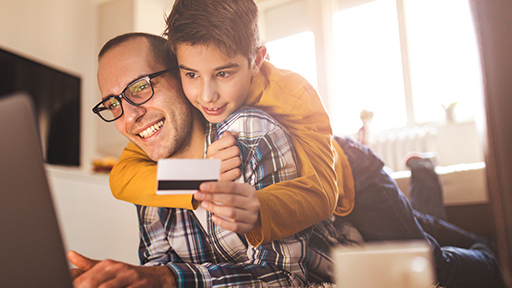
(183, 176)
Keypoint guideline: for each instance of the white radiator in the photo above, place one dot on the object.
(392, 146)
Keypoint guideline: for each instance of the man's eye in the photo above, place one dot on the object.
(113, 104)
(139, 87)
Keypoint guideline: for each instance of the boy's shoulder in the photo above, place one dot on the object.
(284, 78)
(275, 84)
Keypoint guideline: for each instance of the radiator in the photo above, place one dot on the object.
(392, 146)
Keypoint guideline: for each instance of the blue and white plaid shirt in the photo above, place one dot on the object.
(220, 258)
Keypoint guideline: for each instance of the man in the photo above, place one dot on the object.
(144, 98)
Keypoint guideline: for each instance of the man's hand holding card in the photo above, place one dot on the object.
(234, 205)
(183, 176)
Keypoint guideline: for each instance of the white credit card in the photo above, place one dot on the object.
(183, 176)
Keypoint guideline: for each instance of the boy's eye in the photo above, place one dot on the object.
(191, 75)
(224, 74)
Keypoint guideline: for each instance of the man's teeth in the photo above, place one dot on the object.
(151, 130)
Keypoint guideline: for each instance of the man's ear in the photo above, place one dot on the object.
(258, 60)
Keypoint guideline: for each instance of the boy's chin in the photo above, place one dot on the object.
(216, 116)
(215, 119)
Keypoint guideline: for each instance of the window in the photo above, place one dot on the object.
(284, 53)
(405, 64)
(368, 66)
(444, 58)
(402, 59)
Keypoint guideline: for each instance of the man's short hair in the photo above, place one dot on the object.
(230, 25)
(159, 47)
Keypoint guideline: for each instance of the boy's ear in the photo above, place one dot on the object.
(258, 60)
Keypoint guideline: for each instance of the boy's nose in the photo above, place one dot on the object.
(209, 93)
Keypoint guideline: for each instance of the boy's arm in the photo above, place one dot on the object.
(294, 205)
(133, 179)
(270, 228)
(314, 196)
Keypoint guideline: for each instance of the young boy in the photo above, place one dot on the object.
(222, 68)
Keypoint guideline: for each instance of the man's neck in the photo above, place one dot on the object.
(194, 149)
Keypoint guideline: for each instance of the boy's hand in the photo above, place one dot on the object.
(234, 205)
(226, 150)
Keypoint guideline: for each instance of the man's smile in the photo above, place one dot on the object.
(148, 132)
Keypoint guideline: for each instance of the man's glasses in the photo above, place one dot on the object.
(136, 93)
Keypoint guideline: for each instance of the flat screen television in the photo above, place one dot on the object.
(56, 96)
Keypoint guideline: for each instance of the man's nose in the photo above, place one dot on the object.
(209, 93)
(131, 112)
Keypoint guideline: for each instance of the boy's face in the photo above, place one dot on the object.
(217, 85)
(162, 126)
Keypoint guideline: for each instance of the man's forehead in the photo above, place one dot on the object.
(130, 54)
(123, 64)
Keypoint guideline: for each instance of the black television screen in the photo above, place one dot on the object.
(56, 96)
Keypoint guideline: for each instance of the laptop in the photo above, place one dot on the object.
(31, 247)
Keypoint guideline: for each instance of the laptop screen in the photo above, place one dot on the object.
(31, 249)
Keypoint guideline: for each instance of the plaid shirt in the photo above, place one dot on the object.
(215, 257)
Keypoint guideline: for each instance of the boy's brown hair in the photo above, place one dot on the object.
(229, 25)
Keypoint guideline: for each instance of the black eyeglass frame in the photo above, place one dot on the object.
(97, 109)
